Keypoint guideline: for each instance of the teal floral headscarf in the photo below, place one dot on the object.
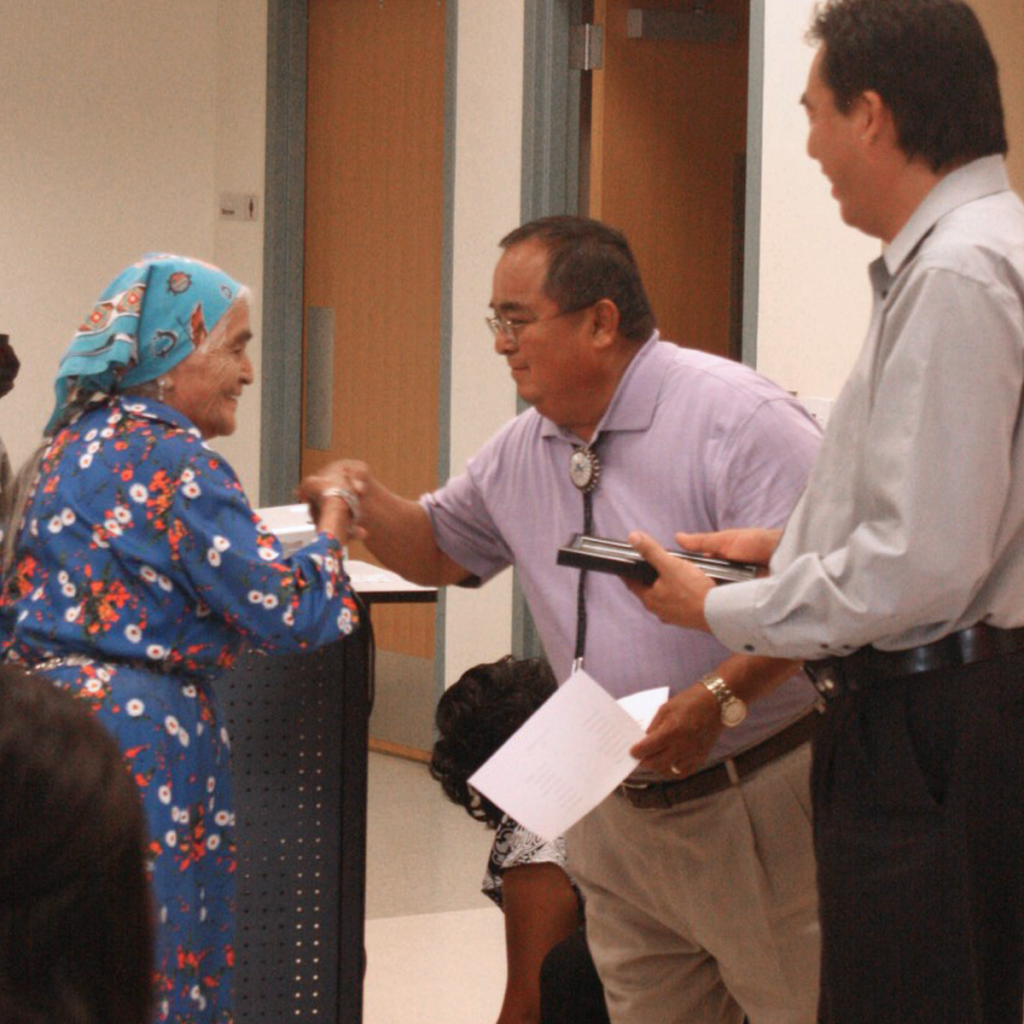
(149, 319)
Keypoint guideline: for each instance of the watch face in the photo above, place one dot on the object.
(734, 711)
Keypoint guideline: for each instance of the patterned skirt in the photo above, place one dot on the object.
(178, 755)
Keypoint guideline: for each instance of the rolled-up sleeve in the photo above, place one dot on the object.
(463, 527)
(238, 571)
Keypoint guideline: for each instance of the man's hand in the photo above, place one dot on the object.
(396, 530)
(360, 476)
(682, 733)
(747, 545)
(686, 726)
(677, 595)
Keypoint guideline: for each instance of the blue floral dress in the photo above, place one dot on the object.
(140, 571)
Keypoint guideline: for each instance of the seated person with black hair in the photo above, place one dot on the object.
(526, 875)
(76, 915)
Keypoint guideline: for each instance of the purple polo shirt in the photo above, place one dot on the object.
(689, 442)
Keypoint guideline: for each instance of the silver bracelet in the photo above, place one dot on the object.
(347, 496)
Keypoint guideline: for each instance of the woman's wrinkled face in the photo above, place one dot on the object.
(206, 386)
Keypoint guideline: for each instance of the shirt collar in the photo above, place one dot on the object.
(152, 409)
(979, 178)
(632, 405)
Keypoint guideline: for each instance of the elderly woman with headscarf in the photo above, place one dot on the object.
(137, 570)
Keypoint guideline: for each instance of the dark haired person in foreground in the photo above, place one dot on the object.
(901, 571)
(526, 875)
(698, 871)
(76, 917)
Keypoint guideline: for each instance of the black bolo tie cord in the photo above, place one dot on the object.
(581, 598)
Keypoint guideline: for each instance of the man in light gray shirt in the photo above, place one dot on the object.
(900, 574)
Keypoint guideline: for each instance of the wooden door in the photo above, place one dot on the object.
(373, 242)
(663, 159)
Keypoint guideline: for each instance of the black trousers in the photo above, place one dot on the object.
(918, 788)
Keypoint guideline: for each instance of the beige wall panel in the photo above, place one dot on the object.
(374, 189)
(1004, 24)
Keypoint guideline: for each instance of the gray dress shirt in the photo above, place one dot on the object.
(912, 523)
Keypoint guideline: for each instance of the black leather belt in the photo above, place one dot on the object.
(869, 665)
(726, 773)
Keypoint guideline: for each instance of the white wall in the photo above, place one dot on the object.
(814, 294)
(814, 298)
(113, 140)
(488, 146)
(240, 143)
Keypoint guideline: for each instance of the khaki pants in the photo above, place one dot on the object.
(706, 911)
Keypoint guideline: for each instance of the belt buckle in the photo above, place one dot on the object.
(637, 786)
(826, 677)
(645, 796)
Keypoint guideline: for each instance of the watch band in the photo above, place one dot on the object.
(730, 707)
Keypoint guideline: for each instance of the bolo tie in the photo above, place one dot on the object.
(584, 471)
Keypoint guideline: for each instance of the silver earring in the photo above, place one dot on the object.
(163, 385)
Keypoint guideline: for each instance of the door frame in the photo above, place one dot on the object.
(551, 125)
(283, 229)
(752, 219)
(551, 134)
(550, 174)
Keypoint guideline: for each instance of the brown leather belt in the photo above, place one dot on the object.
(726, 773)
(869, 665)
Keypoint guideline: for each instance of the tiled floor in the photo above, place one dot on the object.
(435, 946)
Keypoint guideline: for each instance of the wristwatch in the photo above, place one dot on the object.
(732, 709)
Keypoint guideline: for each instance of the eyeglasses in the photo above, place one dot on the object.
(513, 328)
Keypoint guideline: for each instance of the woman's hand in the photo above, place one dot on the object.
(333, 495)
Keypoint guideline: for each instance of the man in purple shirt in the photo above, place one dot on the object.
(697, 873)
